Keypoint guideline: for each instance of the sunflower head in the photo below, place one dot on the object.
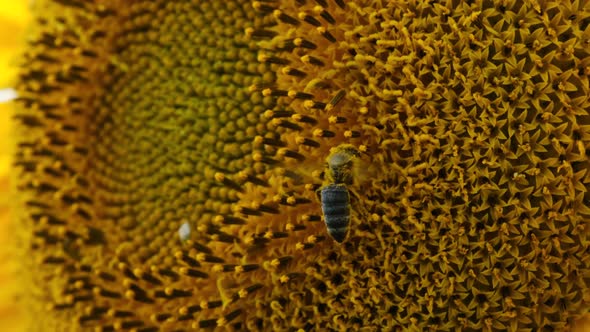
(170, 154)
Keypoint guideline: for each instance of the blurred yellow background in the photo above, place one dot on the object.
(14, 17)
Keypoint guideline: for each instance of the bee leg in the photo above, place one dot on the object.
(356, 200)
(354, 194)
(318, 193)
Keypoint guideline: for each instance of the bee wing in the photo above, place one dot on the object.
(364, 171)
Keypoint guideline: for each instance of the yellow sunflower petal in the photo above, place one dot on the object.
(13, 20)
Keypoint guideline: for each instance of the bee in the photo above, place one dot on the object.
(334, 196)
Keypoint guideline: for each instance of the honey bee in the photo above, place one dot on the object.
(334, 196)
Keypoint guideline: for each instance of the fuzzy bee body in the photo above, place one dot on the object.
(336, 209)
(335, 196)
(341, 164)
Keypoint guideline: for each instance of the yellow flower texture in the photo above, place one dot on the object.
(170, 153)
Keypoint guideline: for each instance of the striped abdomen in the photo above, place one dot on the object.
(336, 209)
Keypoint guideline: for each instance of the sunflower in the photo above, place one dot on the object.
(169, 155)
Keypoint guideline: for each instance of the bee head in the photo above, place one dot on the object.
(342, 155)
(341, 163)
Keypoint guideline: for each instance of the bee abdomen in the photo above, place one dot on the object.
(336, 210)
